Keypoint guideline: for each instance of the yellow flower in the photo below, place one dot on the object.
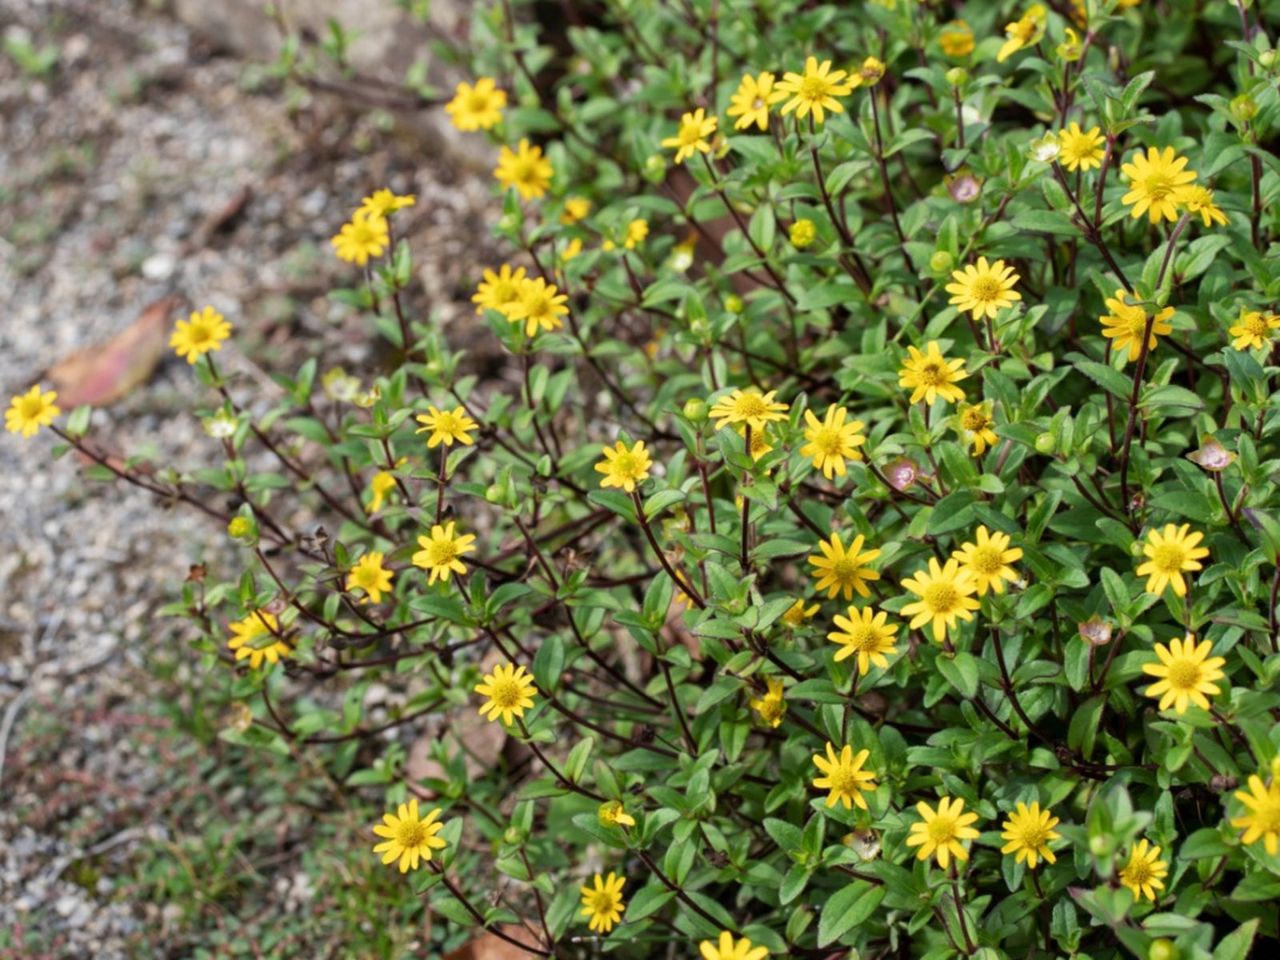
(637, 230)
(1170, 554)
(1081, 149)
(691, 137)
(510, 692)
(540, 305)
(408, 837)
(930, 375)
(831, 440)
(946, 594)
(368, 575)
(798, 614)
(1127, 322)
(571, 250)
(1070, 49)
(748, 407)
(383, 203)
(843, 776)
(1262, 822)
(624, 468)
(478, 107)
(362, 238)
(257, 638)
(1185, 674)
(525, 169)
(987, 561)
(870, 73)
(956, 39)
(613, 814)
(1029, 831)
(728, 949)
(195, 337)
(815, 90)
(751, 103)
(603, 902)
(940, 832)
(840, 570)
(499, 291)
(802, 233)
(30, 411)
(1253, 330)
(772, 707)
(575, 209)
(1198, 199)
(446, 426)
(974, 424)
(866, 635)
(383, 482)
(1156, 180)
(1023, 32)
(1145, 872)
(440, 555)
(983, 290)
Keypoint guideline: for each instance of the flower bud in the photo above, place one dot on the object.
(733, 303)
(1244, 108)
(957, 76)
(1267, 58)
(1046, 443)
(242, 528)
(942, 261)
(1100, 845)
(655, 167)
(1162, 949)
(802, 233)
(695, 410)
(1045, 149)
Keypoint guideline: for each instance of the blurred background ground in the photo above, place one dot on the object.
(139, 161)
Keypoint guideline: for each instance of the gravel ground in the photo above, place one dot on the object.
(116, 172)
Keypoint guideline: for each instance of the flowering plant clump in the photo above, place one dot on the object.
(879, 551)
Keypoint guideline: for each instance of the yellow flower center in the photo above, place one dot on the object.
(942, 830)
(506, 693)
(625, 465)
(941, 597)
(1032, 834)
(441, 553)
(829, 441)
(987, 560)
(602, 901)
(863, 638)
(845, 779)
(1169, 558)
(757, 104)
(1158, 185)
(30, 407)
(750, 405)
(933, 374)
(448, 423)
(1138, 873)
(1254, 324)
(814, 88)
(974, 419)
(411, 833)
(846, 568)
(525, 169)
(1184, 675)
(538, 304)
(986, 289)
(1267, 818)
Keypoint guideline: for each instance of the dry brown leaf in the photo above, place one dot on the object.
(104, 373)
(489, 946)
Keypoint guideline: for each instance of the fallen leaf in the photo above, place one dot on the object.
(106, 372)
(489, 946)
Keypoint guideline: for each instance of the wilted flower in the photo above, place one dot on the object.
(1212, 455)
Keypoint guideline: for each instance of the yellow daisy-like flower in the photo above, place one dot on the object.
(802, 233)
(613, 814)
(1081, 149)
(637, 230)
(749, 407)
(1156, 180)
(843, 571)
(1029, 831)
(362, 238)
(974, 423)
(866, 635)
(987, 560)
(1023, 32)
(1262, 821)
(383, 203)
(843, 776)
(1145, 872)
(1198, 199)
(1185, 674)
(832, 441)
(510, 691)
(772, 706)
(946, 595)
(370, 576)
(798, 614)
(30, 411)
(1127, 322)
(257, 638)
(525, 169)
(1171, 553)
(409, 838)
(499, 291)
(204, 331)
(729, 949)
(446, 426)
(691, 137)
(869, 74)
(984, 289)
(940, 831)
(930, 375)
(575, 209)
(815, 90)
(760, 444)
(956, 39)
(752, 100)
(476, 107)
(441, 553)
(383, 482)
(540, 305)
(623, 467)
(602, 903)
(1253, 330)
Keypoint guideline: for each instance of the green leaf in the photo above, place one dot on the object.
(846, 909)
(961, 671)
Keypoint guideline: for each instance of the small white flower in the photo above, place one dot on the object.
(222, 425)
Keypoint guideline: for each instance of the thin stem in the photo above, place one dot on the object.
(479, 917)
(678, 580)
